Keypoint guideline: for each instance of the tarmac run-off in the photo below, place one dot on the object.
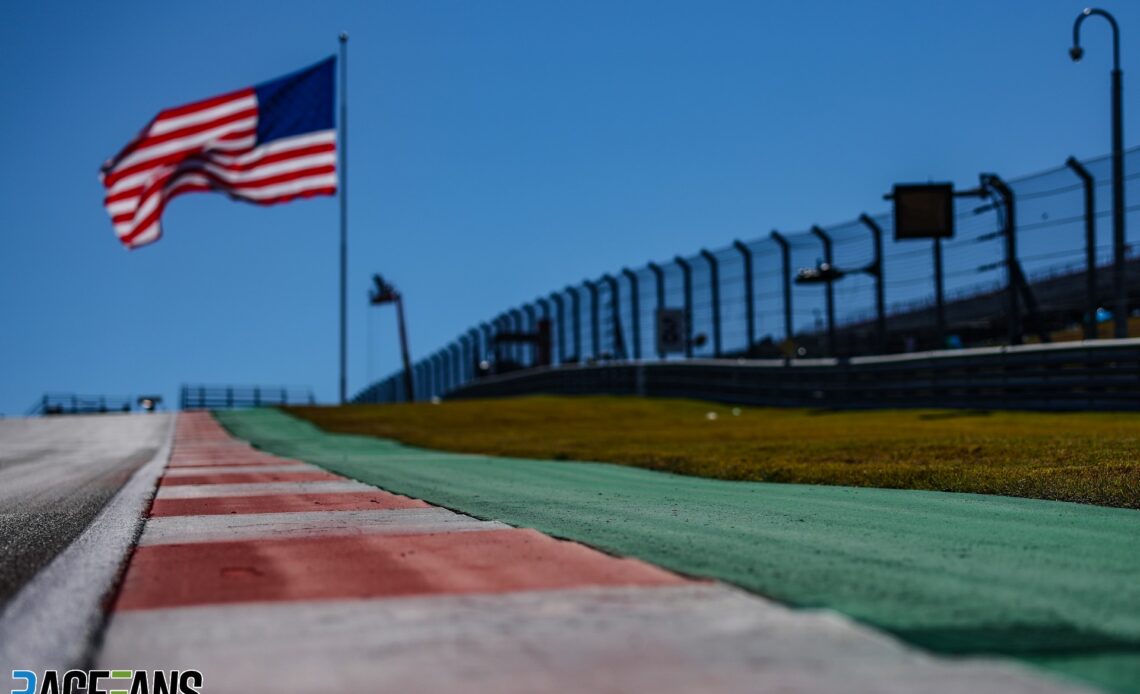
(272, 575)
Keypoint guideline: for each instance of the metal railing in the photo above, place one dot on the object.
(1034, 261)
(203, 397)
(72, 403)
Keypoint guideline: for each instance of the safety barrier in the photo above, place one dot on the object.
(1090, 375)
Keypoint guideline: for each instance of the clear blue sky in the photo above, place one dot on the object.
(498, 150)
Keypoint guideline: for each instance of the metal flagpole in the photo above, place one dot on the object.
(343, 145)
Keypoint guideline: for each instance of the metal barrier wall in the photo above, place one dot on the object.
(1091, 375)
(741, 302)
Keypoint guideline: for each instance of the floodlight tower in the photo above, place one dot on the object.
(385, 293)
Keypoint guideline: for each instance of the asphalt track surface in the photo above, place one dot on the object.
(56, 474)
(1054, 584)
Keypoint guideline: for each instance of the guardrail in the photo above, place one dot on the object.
(203, 397)
(1090, 375)
(72, 403)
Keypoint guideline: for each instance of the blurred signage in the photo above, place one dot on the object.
(923, 211)
(670, 330)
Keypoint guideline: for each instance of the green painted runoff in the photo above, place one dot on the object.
(1051, 583)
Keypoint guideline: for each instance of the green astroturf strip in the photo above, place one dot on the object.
(1054, 584)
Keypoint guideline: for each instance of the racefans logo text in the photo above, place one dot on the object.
(109, 682)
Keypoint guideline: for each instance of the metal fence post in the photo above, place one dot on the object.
(618, 340)
(595, 321)
(829, 289)
(877, 267)
(634, 310)
(560, 309)
(749, 299)
(518, 348)
(659, 281)
(1010, 232)
(528, 309)
(687, 284)
(488, 340)
(939, 293)
(476, 355)
(544, 304)
(456, 361)
(1089, 186)
(576, 320)
(464, 357)
(786, 258)
(714, 284)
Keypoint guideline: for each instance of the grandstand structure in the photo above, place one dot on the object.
(742, 302)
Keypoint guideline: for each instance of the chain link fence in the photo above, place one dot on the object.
(741, 302)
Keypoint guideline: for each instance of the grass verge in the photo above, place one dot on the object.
(1091, 458)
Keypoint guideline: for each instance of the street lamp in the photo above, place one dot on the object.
(384, 292)
(1120, 286)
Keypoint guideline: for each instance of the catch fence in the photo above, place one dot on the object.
(742, 300)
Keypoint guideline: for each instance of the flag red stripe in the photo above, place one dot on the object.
(112, 177)
(203, 104)
(248, 166)
(169, 187)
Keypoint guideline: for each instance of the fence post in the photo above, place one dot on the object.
(749, 300)
(560, 309)
(456, 351)
(595, 322)
(488, 340)
(634, 310)
(877, 273)
(464, 357)
(687, 279)
(618, 340)
(476, 355)
(714, 283)
(829, 288)
(528, 309)
(1010, 232)
(939, 294)
(498, 346)
(659, 280)
(576, 320)
(518, 348)
(1090, 246)
(786, 262)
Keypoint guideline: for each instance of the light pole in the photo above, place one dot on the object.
(384, 293)
(1120, 286)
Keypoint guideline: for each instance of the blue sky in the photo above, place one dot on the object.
(498, 150)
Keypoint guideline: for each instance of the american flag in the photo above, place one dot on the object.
(266, 144)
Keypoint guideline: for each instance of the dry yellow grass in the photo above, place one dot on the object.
(1089, 457)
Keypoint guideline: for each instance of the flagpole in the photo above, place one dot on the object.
(343, 189)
